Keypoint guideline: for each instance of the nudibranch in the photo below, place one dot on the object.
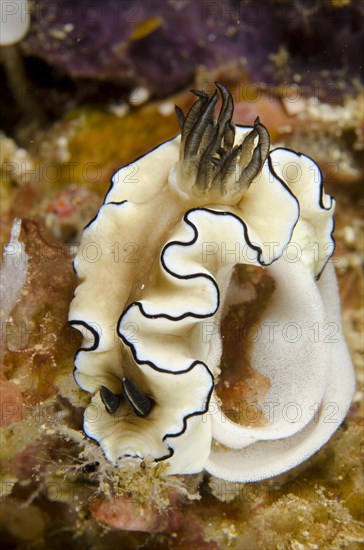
(155, 266)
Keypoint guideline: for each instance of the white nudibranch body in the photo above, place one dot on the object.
(152, 274)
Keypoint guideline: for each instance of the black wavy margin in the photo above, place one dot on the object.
(196, 275)
(184, 419)
(283, 184)
(183, 277)
(94, 332)
(197, 413)
(95, 345)
(149, 363)
(321, 203)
